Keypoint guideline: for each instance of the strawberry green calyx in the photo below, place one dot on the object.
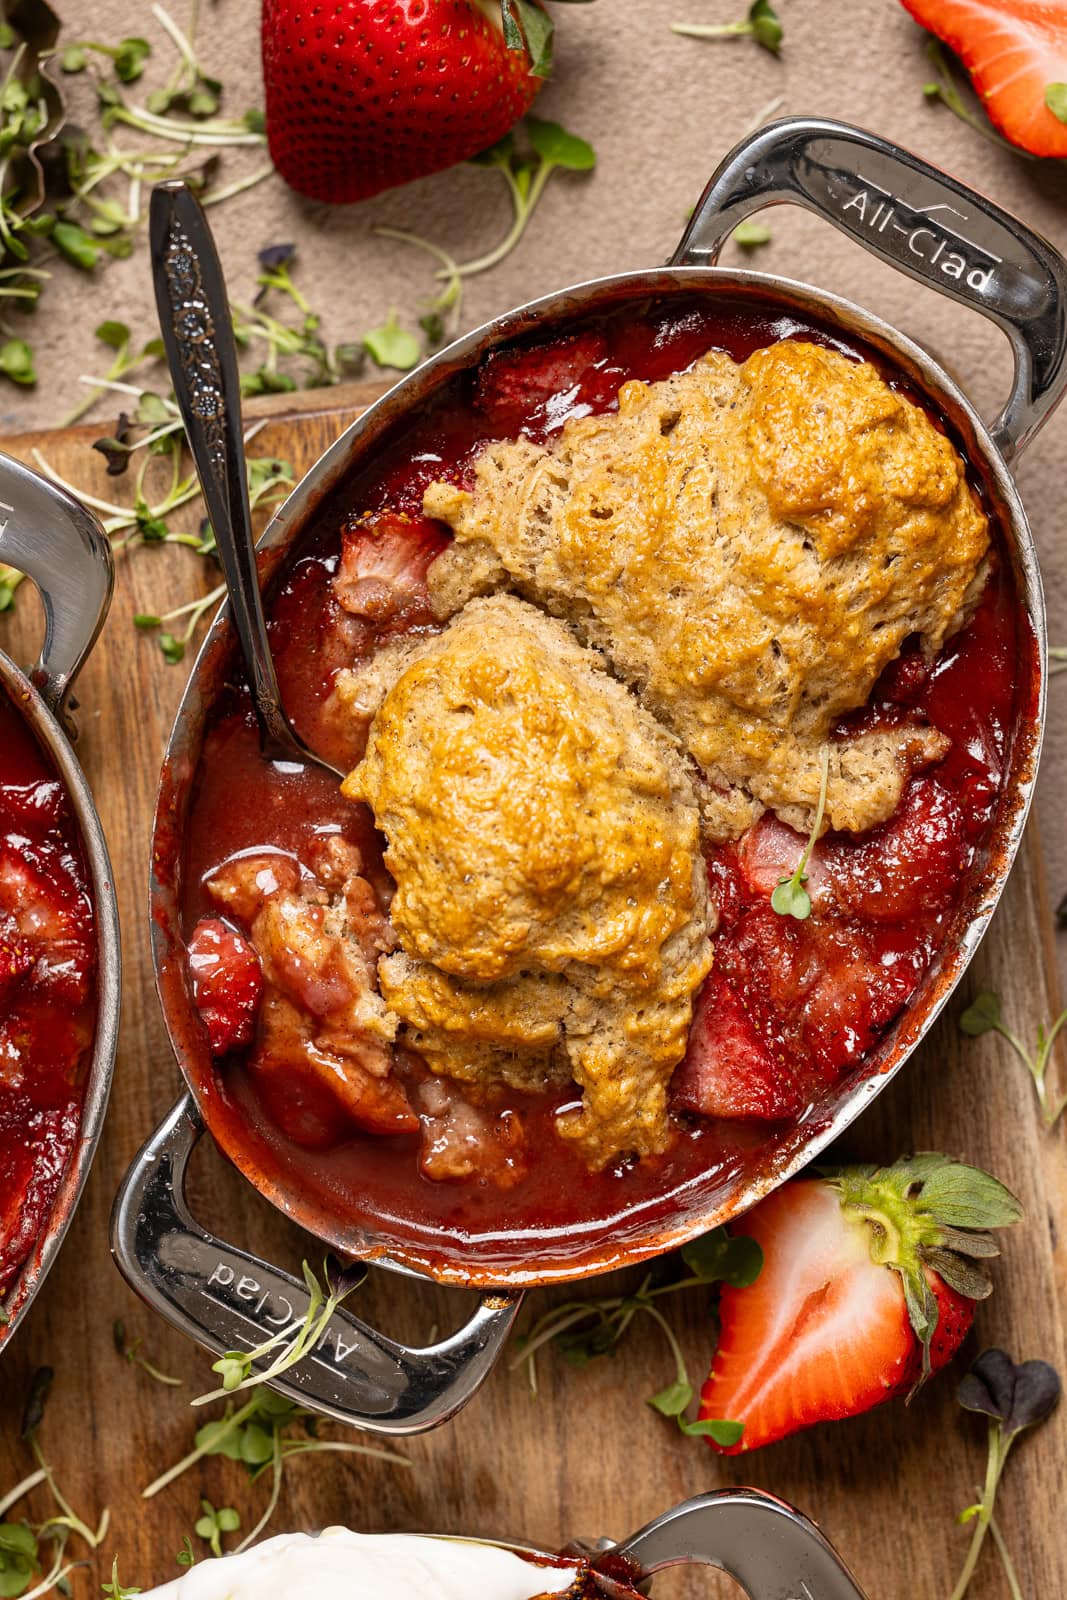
(928, 1214)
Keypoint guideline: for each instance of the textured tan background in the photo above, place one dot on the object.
(660, 110)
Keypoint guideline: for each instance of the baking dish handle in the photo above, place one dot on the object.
(226, 1299)
(58, 544)
(922, 222)
(772, 1551)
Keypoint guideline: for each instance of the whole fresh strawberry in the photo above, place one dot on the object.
(365, 94)
(1016, 54)
(868, 1286)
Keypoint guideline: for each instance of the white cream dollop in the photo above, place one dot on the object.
(341, 1565)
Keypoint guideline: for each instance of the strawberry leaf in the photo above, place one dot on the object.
(965, 1197)
(538, 29)
(959, 1274)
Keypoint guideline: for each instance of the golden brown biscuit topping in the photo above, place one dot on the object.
(749, 546)
(551, 902)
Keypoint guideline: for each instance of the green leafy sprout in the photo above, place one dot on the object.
(761, 24)
(92, 205)
(131, 1352)
(1014, 1398)
(944, 89)
(27, 1570)
(267, 1430)
(526, 159)
(212, 1524)
(983, 1015)
(791, 898)
(586, 1329)
(750, 235)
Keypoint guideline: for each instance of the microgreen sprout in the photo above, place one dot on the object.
(441, 314)
(983, 1016)
(749, 235)
(212, 1524)
(1058, 656)
(128, 57)
(145, 521)
(263, 1435)
(238, 1369)
(761, 24)
(1056, 100)
(1014, 1398)
(116, 1589)
(391, 345)
(551, 149)
(131, 1352)
(944, 90)
(21, 1554)
(791, 898)
(91, 205)
(586, 1329)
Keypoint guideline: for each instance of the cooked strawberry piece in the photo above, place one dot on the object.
(528, 390)
(35, 1146)
(909, 867)
(227, 984)
(35, 807)
(770, 851)
(904, 680)
(16, 954)
(820, 991)
(729, 1069)
(854, 992)
(1014, 50)
(826, 1330)
(384, 561)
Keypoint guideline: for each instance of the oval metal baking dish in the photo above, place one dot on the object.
(60, 547)
(894, 204)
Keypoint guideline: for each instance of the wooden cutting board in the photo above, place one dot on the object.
(586, 1456)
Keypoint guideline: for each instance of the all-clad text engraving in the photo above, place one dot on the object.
(272, 1310)
(934, 235)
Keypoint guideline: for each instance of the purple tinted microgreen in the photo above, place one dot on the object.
(1014, 1398)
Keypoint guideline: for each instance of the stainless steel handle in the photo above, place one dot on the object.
(60, 546)
(922, 222)
(226, 1299)
(194, 319)
(773, 1551)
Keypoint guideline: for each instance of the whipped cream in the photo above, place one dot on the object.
(341, 1565)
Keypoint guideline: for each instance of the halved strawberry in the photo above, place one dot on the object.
(1014, 50)
(729, 1069)
(384, 561)
(227, 984)
(868, 1286)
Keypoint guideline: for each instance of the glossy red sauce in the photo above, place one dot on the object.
(47, 1005)
(820, 993)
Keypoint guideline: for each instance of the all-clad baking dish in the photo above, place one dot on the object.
(941, 234)
(55, 542)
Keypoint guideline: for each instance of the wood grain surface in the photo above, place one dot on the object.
(586, 1456)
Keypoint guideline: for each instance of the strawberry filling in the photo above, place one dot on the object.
(47, 1009)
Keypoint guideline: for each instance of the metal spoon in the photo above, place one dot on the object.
(194, 318)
